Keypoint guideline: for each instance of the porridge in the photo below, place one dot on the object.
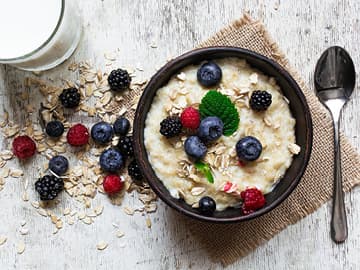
(222, 131)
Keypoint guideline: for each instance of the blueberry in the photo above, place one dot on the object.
(121, 126)
(209, 74)
(59, 165)
(54, 128)
(248, 148)
(207, 205)
(111, 160)
(195, 148)
(102, 132)
(211, 128)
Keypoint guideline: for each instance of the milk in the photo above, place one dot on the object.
(37, 34)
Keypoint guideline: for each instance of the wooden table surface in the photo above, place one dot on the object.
(303, 29)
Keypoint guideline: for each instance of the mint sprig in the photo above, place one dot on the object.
(216, 104)
(205, 170)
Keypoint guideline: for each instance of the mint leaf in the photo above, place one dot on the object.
(205, 170)
(216, 104)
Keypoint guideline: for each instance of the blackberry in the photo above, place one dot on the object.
(125, 146)
(119, 79)
(260, 100)
(134, 171)
(54, 128)
(49, 187)
(70, 97)
(170, 126)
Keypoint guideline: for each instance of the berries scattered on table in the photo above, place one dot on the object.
(102, 132)
(49, 187)
(171, 126)
(119, 79)
(209, 74)
(111, 160)
(23, 147)
(134, 171)
(70, 97)
(78, 135)
(113, 184)
(121, 126)
(59, 165)
(194, 147)
(260, 100)
(207, 205)
(253, 199)
(190, 118)
(125, 146)
(211, 128)
(248, 148)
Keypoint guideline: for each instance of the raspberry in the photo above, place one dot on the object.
(190, 118)
(253, 199)
(78, 135)
(23, 147)
(113, 184)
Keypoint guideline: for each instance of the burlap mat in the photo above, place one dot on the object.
(227, 243)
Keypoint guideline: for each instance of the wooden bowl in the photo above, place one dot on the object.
(298, 107)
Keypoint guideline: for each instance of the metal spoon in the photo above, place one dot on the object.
(334, 84)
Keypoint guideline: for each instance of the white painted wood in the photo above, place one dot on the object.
(303, 30)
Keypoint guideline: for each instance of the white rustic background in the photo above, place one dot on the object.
(303, 29)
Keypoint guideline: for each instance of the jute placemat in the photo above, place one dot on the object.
(227, 243)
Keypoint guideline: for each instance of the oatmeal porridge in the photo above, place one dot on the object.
(264, 124)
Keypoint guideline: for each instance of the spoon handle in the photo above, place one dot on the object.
(339, 228)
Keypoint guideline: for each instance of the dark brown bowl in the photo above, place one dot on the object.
(298, 107)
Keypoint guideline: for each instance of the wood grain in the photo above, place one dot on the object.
(303, 29)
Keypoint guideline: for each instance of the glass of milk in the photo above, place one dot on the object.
(37, 35)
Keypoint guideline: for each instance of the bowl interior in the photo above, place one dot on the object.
(298, 107)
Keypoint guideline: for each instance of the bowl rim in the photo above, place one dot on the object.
(140, 151)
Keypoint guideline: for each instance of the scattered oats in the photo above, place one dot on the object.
(16, 173)
(119, 234)
(294, 148)
(2, 239)
(148, 222)
(70, 220)
(197, 191)
(25, 196)
(101, 245)
(24, 231)
(128, 210)
(99, 209)
(23, 223)
(4, 172)
(42, 212)
(11, 131)
(35, 204)
(153, 45)
(106, 98)
(6, 155)
(2, 163)
(253, 78)
(66, 211)
(181, 76)
(59, 224)
(87, 220)
(20, 248)
(267, 120)
(111, 56)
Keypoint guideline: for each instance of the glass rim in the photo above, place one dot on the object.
(46, 42)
